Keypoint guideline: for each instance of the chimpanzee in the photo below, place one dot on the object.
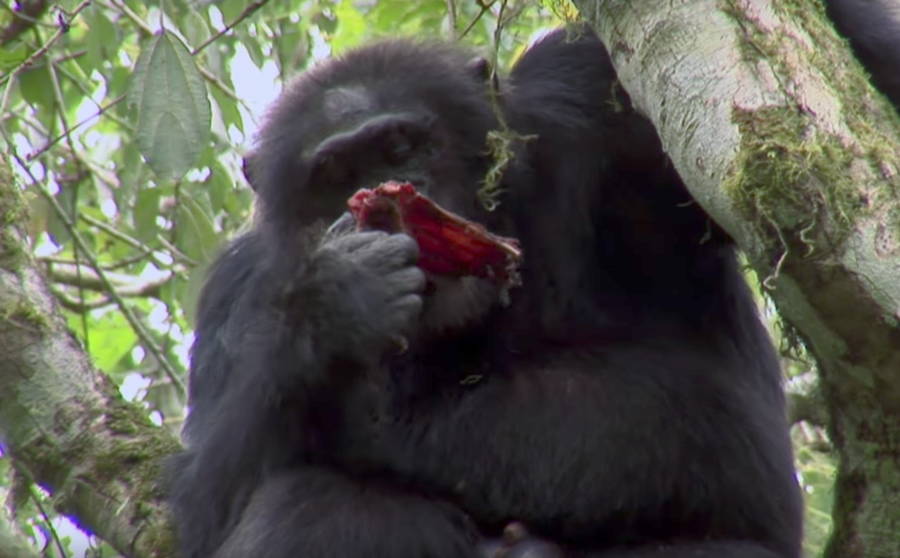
(623, 402)
(873, 28)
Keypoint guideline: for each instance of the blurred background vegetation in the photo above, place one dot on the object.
(124, 122)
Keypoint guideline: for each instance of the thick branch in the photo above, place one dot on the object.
(65, 423)
(731, 91)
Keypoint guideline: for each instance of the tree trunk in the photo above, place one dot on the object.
(64, 424)
(779, 136)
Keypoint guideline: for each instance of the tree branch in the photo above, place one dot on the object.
(64, 423)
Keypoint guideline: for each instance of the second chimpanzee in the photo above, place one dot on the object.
(623, 402)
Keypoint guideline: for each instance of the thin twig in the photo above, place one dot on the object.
(248, 11)
(485, 6)
(35, 154)
(451, 17)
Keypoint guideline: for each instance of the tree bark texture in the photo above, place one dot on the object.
(64, 424)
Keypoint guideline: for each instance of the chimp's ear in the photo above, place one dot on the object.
(479, 68)
(482, 70)
(249, 168)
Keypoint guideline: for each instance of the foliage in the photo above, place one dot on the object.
(125, 121)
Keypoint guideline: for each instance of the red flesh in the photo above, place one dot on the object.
(448, 244)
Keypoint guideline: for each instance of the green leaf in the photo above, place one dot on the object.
(36, 87)
(231, 8)
(103, 39)
(10, 57)
(218, 185)
(146, 210)
(351, 27)
(252, 46)
(110, 338)
(195, 234)
(196, 29)
(291, 46)
(172, 107)
(407, 18)
(188, 292)
(228, 109)
(56, 228)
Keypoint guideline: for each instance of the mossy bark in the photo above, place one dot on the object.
(65, 424)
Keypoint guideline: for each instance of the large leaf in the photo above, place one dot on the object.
(172, 107)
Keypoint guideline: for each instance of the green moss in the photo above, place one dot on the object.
(12, 215)
(23, 314)
(786, 173)
(502, 149)
(13, 253)
(142, 441)
(861, 101)
(789, 172)
(565, 10)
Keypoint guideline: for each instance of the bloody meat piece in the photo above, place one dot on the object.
(448, 244)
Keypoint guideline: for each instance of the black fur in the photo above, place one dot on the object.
(873, 28)
(625, 403)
